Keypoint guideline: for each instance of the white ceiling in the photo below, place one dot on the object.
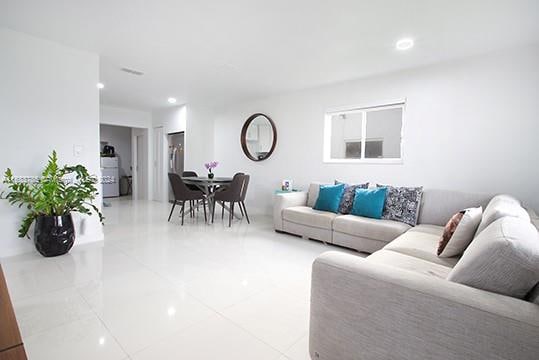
(224, 51)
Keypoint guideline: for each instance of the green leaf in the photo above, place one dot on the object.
(52, 194)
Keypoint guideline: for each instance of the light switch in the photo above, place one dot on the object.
(78, 150)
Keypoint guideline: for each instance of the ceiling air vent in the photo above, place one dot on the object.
(132, 72)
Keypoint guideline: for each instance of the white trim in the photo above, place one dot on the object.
(363, 109)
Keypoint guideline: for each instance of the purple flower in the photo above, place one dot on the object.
(211, 165)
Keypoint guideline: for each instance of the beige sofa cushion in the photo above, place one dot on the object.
(376, 229)
(437, 206)
(406, 262)
(504, 259)
(305, 215)
(501, 206)
(421, 242)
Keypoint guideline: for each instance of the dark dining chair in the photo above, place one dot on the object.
(182, 194)
(189, 174)
(232, 195)
(242, 197)
(192, 187)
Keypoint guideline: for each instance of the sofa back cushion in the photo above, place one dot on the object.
(438, 206)
(503, 258)
(501, 206)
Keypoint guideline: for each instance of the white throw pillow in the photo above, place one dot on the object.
(504, 259)
(464, 233)
(501, 206)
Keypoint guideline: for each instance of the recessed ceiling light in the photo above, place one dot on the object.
(100, 85)
(405, 44)
(171, 100)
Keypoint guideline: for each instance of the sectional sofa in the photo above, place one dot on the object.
(403, 301)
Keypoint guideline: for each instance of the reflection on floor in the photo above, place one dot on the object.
(157, 290)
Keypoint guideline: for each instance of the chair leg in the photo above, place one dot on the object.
(213, 211)
(204, 205)
(172, 210)
(245, 211)
(231, 214)
(222, 210)
(183, 210)
(241, 210)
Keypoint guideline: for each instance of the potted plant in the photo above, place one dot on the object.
(209, 166)
(50, 200)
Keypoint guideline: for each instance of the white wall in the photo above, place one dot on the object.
(120, 138)
(172, 119)
(48, 101)
(470, 125)
(199, 138)
(113, 115)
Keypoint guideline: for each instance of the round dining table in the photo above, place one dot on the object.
(209, 186)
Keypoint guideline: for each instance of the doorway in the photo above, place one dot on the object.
(124, 162)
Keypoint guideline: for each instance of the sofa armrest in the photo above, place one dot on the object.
(362, 310)
(282, 201)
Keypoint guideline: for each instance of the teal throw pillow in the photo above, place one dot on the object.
(329, 198)
(369, 202)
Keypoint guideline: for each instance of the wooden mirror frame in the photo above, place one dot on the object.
(243, 137)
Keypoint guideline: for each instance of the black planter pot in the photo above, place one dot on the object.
(211, 175)
(54, 235)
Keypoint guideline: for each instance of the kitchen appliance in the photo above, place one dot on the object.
(110, 177)
(175, 156)
(108, 150)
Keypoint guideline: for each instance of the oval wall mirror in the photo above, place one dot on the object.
(258, 137)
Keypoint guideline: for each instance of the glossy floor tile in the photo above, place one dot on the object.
(40, 313)
(158, 290)
(82, 340)
(213, 338)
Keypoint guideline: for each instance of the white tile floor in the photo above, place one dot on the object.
(157, 290)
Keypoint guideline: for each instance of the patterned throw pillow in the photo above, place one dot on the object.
(449, 230)
(347, 200)
(402, 204)
(459, 232)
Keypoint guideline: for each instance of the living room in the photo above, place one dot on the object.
(348, 164)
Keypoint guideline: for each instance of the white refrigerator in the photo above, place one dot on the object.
(109, 174)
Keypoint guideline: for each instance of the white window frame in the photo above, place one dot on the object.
(395, 104)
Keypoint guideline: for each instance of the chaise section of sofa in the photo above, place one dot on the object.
(405, 302)
(396, 306)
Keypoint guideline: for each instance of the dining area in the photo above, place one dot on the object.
(196, 195)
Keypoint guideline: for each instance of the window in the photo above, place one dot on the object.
(369, 134)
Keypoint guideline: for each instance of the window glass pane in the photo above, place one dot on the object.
(383, 134)
(346, 136)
